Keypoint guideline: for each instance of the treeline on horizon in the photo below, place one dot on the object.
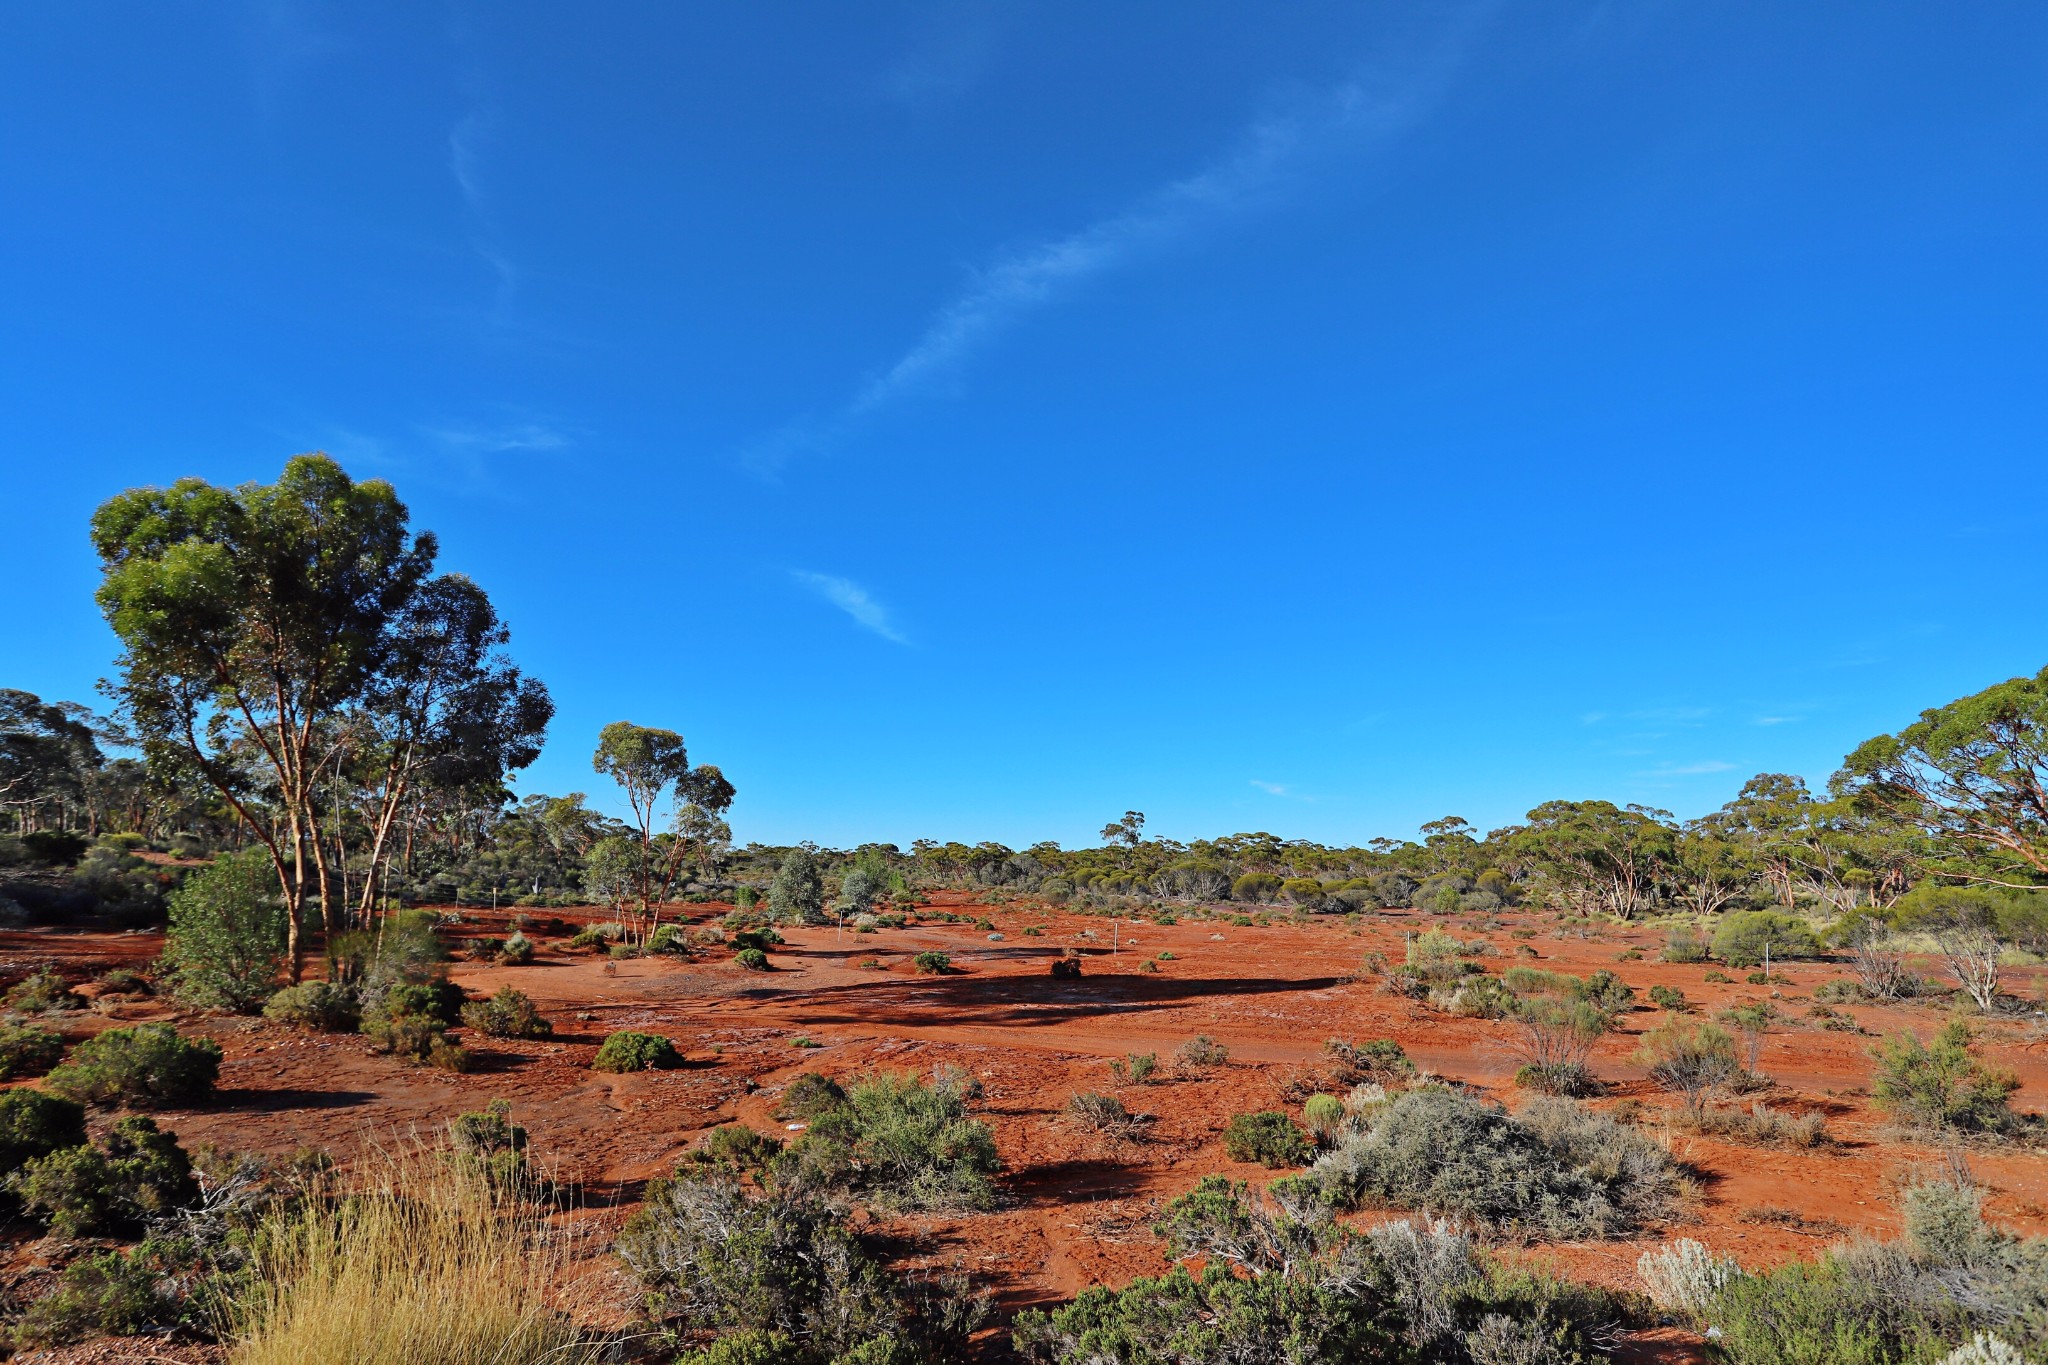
(294, 676)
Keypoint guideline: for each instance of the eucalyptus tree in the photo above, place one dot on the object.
(1598, 854)
(652, 765)
(1972, 776)
(248, 619)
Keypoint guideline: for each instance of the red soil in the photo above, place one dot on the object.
(1080, 1211)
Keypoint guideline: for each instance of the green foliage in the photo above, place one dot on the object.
(34, 1124)
(629, 1051)
(411, 1021)
(28, 1051)
(488, 1142)
(1200, 1053)
(1322, 1115)
(1942, 1086)
(508, 1014)
(779, 1278)
(736, 1148)
(109, 1293)
(1268, 1137)
(1556, 1170)
(899, 1141)
(1689, 1057)
(933, 963)
(321, 1006)
(1302, 890)
(1607, 992)
(1668, 998)
(43, 992)
(1256, 886)
(1683, 944)
(517, 949)
(145, 1066)
(137, 1173)
(797, 895)
(1744, 935)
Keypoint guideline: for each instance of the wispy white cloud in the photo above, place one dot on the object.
(494, 440)
(1777, 720)
(1271, 788)
(851, 598)
(947, 53)
(1699, 769)
(1262, 164)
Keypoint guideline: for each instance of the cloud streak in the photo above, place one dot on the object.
(851, 598)
(1260, 166)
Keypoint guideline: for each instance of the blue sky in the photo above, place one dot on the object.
(972, 419)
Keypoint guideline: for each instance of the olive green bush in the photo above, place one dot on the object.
(225, 947)
(318, 1006)
(138, 1172)
(1268, 1137)
(28, 1051)
(508, 1014)
(629, 1051)
(146, 1066)
(1942, 1087)
(901, 1143)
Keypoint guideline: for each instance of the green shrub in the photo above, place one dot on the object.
(797, 895)
(1302, 890)
(780, 1278)
(1137, 1069)
(1942, 1087)
(144, 1066)
(1717, 978)
(122, 981)
(517, 949)
(508, 1014)
(737, 1148)
(596, 936)
(1744, 936)
(933, 963)
(43, 992)
(629, 1051)
(226, 943)
(808, 1096)
(1690, 1058)
(1256, 886)
(411, 1021)
(1683, 944)
(139, 1172)
(753, 959)
(110, 1293)
(1268, 1137)
(901, 1143)
(1322, 1115)
(319, 1006)
(1556, 1170)
(34, 1124)
(488, 1142)
(1199, 1053)
(1668, 998)
(28, 1051)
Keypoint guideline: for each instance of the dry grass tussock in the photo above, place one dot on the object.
(427, 1263)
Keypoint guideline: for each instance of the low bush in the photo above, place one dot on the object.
(508, 1014)
(1717, 978)
(138, 1172)
(753, 959)
(34, 1124)
(1099, 1113)
(1684, 1277)
(489, 1144)
(28, 1051)
(736, 1148)
(779, 1278)
(1137, 1069)
(808, 1096)
(900, 1142)
(1759, 1123)
(517, 949)
(629, 1051)
(1682, 944)
(1200, 1053)
(1690, 1058)
(1668, 998)
(320, 1006)
(933, 963)
(144, 1066)
(1268, 1137)
(1748, 938)
(43, 992)
(1556, 1170)
(111, 1293)
(411, 1021)
(225, 946)
(1941, 1086)
(1323, 1115)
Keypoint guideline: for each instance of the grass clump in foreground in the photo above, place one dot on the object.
(432, 1264)
(1284, 1280)
(1555, 1170)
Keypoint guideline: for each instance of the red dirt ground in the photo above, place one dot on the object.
(1079, 1211)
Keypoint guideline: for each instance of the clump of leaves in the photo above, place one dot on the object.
(753, 959)
(1942, 1086)
(43, 992)
(28, 1051)
(1200, 1053)
(1268, 1137)
(508, 1014)
(34, 1124)
(808, 1096)
(144, 1067)
(900, 1142)
(630, 1051)
(411, 1021)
